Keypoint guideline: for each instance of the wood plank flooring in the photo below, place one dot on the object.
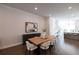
(62, 47)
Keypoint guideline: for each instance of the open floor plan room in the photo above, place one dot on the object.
(39, 28)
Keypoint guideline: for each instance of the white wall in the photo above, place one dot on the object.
(77, 25)
(47, 25)
(12, 25)
(53, 26)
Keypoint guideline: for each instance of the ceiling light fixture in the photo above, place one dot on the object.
(36, 8)
(69, 7)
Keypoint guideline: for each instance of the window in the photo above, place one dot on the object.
(67, 25)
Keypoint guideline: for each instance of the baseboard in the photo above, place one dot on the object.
(8, 46)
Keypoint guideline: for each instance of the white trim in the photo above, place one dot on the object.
(11, 45)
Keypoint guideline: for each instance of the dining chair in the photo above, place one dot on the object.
(53, 41)
(30, 46)
(45, 46)
(52, 45)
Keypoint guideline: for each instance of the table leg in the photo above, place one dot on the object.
(38, 50)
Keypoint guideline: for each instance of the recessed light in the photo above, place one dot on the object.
(69, 7)
(36, 8)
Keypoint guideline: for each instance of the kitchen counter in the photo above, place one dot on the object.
(74, 36)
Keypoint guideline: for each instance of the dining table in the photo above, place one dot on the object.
(40, 40)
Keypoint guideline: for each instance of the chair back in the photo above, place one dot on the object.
(28, 44)
(46, 43)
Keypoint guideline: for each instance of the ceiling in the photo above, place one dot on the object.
(57, 10)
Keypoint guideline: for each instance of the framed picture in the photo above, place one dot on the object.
(31, 27)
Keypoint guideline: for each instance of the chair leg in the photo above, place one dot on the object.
(25, 51)
(29, 52)
(40, 51)
(50, 49)
(45, 51)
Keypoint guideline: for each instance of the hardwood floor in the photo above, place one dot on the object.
(62, 47)
(17, 50)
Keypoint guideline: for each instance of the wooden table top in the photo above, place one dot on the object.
(40, 40)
